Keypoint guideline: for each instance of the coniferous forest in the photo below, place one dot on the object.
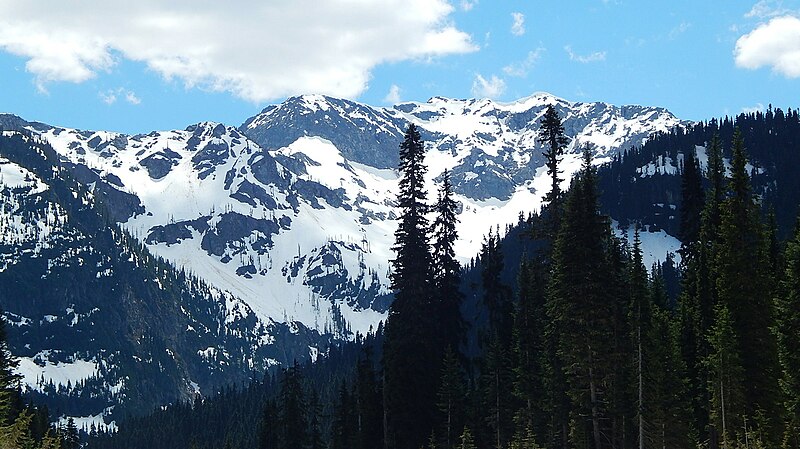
(556, 336)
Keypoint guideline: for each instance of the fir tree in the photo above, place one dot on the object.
(409, 356)
(551, 134)
(726, 377)
(315, 421)
(496, 295)
(293, 410)
(743, 287)
(71, 438)
(343, 430)
(467, 441)
(369, 425)
(692, 202)
(529, 352)
(450, 399)
(268, 438)
(496, 378)
(640, 308)
(788, 331)
(579, 305)
(447, 270)
(8, 378)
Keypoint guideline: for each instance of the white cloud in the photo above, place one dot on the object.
(765, 9)
(257, 51)
(518, 27)
(680, 29)
(520, 69)
(108, 97)
(775, 44)
(393, 96)
(585, 59)
(131, 98)
(491, 88)
(467, 5)
(750, 109)
(111, 96)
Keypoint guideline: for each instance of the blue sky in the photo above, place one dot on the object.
(163, 65)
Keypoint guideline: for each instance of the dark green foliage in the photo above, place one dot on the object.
(368, 405)
(9, 380)
(447, 270)
(343, 431)
(70, 435)
(529, 352)
(497, 384)
(726, 380)
(411, 352)
(451, 400)
(744, 288)
(24, 426)
(467, 441)
(788, 332)
(582, 306)
(496, 294)
(692, 202)
(269, 426)
(594, 354)
(551, 133)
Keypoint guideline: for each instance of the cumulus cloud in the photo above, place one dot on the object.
(393, 96)
(775, 44)
(585, 59)
(257, 51)
(518, 27)
(491, 88)
(520, 69)
(111, 96)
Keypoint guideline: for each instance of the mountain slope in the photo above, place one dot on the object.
(102, 327)
(290, 218)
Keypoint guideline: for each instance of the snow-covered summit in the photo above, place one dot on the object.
(294, 211)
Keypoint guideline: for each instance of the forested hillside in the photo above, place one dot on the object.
(583, 347)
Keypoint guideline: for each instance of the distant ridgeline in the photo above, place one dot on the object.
(644, 183)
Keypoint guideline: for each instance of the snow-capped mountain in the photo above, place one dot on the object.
(293, 213)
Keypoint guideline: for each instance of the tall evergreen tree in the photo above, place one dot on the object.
(409, 358)
(529, 352)
(551, 134)
(788, 331)
(699, 289)
(743, 287)
(692, 202)
(369, 424)
(8, 378)
(640, 309)
(496, 295)
(496, 380)
(268, 438)
(726, 377)
(343, 429)
(451, 399)
(447, 270)
(293, 416)
(578, 304)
